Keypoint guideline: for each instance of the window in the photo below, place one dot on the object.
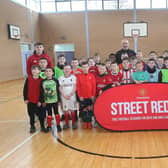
(48, 6)
(22, 2)
(94, 4)
(143, 4)
(78, 5)
(63, 6)
(110, 4)
(34, 5)
(126, 4)
(159, 4)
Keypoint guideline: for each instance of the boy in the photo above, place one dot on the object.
(92, 67)
(133, 60)
(49, 97)
(160, 62)
(112, 57)
(126, 72)
(108, 65)
(96, 58)
(115, 75)
(68, 95)
(140, 76)
(123, 55)
(31, 93)
(38, 53)
(86, 90)
(75, 67)
(139, 56)
(152, 71)
(163, 75)
(102, 79)
(43, 65)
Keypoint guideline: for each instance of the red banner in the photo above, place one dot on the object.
(133, 107)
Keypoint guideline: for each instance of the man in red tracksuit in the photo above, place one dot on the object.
(34, 59)
(86, 90)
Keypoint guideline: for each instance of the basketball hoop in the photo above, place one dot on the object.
(16, 36)
(135, 34)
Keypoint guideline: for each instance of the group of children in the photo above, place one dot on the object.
(48, 87)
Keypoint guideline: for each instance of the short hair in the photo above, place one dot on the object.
(111, 54)
(102, 64)
(49, 68)
(161, 57)
(67, 65)
(91, 58)
(165, 59)
(165, 51)
(133, 57)
(152, 52)
(151, 59)
(84, 63)
(38, 43)
(62, 55)
(124, 52)
(125, 59)
(107, 60)
(139, 62)
(114, 63)
(74, 59)
(43, 58)
(35, 66)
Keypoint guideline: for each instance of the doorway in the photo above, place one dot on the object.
(26, 51)
(66, 49)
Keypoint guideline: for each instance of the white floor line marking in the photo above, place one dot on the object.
(12, 121)
(18, 146)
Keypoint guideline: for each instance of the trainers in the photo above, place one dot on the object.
(85, 125)
(89, 125)
(59, 128)
(74, 126)
(48, 128)
(43, 129)
(62, 117)
(32, 129)
(65, 126)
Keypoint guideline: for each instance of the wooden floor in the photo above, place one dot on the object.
(96, 148)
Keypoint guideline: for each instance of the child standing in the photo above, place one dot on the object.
(86, 90)
(140, 76)
(163, 75)
(31, 94)
(43, 63)
(49, 97)
(68, 95)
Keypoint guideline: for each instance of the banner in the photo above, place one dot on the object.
(133, 107)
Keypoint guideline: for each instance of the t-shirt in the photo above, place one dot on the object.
(67, 83)
(140, 76)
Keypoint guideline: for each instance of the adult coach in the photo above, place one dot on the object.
(38, 53)
(125, 48)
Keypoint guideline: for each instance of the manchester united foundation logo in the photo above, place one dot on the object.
(142, 92)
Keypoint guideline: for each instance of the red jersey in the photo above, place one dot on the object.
(101, 82)
(32, 89)
(93, 70)
(121, 66)
(34, 60)
(127, 76)
(77, 72)
(86, 85)
(116, 77)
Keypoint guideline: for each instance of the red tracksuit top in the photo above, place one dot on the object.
(86, 85)
(116, 78)
(101, 82)
(34, 60)
(31, 91)
(93, 70)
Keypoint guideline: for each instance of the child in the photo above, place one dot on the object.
(43, 65)
(102, 79)
(86, 90)
(31, 94)
(152, 71)
(165, 53)
(139, 56)
(96, 58)
(123, 55)
(140, 76)
(133, 60)
(75, 67)
(126, 72)
(163, 75)
(112, 57)
(68, 95)
(160, 62)
(108, 65)
(38, 53)
(115, 75)
(92, 67)
(49, 96)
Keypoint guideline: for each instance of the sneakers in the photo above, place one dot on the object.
(89, 125)
(32, 130)
(59, 128)
(85, 125)
(48, 128)
(43, 129)
(65, 126)
(74, 126)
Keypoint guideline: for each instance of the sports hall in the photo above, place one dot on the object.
(77, 28)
